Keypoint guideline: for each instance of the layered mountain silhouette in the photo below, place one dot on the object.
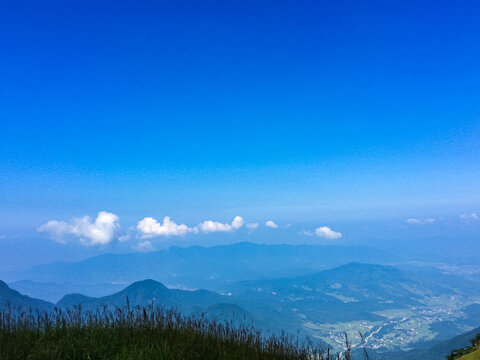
(214, 268)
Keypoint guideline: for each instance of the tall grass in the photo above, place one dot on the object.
(142, 333)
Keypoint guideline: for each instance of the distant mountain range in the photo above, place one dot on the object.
(214, 268)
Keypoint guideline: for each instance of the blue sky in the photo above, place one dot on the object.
(338, 114)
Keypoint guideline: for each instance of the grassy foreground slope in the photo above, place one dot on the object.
(141, 333)
(129, 343)
(472, 356)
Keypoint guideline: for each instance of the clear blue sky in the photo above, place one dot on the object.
(319, 113)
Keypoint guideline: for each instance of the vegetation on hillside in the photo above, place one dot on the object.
(142, 333)
(469, 352)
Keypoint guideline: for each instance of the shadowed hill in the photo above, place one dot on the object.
(11, 298)
(143, 293)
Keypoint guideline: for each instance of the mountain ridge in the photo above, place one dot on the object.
(216, 267)
(14, 300)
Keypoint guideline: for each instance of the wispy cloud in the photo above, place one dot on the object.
(98, 232)
(271, 224)
(252, 226)
(414, 221)
(145, 246)
(470, 217)
(327, 233)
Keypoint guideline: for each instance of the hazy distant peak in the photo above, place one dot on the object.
(367, 266)
(146, 284)
(364, 269)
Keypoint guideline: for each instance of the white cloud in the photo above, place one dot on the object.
(237, 222)
(413, 221)
(150, 227)
(470, 217)
(209, 226)
(420, 221)
(305, 232)
(327, 233)
(271, 224)
(252, 226)
(100, 232)
(214, 226)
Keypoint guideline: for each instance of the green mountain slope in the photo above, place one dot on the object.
(472, 356)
